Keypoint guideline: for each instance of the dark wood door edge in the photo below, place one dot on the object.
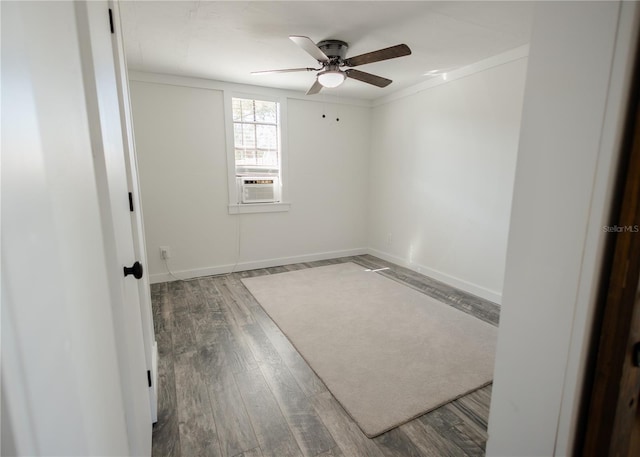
(610, 402)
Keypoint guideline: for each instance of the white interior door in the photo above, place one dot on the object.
(101, 84)
(135, 214)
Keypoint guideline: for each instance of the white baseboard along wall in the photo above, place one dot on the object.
(458, 283)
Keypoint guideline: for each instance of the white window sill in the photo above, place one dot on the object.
(259, 208)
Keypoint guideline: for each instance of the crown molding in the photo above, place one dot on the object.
(512, 55)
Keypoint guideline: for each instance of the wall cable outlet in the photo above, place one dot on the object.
(164, 252)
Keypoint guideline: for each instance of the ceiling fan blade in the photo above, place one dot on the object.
(286, 70)
(315, 88)
(399, 50)
(308, 45)
(368, 78)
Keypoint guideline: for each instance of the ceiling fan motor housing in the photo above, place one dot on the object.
(331, 55)
(334, 49)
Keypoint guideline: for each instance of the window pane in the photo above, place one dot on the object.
(245, 157)
(236, 107)
(237, 135)
(267, 136)
(247, 110)
(266, 111)
(268, 157)
(248, 135)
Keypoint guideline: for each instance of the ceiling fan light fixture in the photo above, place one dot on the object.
(331, 78)
(331, 55)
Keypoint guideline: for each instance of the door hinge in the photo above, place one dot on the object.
(130, 202)
(149, 377)
(111, 20)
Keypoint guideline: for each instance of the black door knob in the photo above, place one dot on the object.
(135, 270)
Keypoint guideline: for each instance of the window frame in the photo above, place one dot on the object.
(235, 207)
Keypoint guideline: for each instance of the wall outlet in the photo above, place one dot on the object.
(389, 239)
(165, 253)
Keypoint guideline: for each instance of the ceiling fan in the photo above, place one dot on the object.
(331, 55)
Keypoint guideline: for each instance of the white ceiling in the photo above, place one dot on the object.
(226, 40)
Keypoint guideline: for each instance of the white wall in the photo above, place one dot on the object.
(431, 172)
(61, 389)
(180, 140)
(571, 125)
(441, 177)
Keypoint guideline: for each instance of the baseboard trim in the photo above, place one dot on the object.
(461, 284)
(276, 262)
(252, 265)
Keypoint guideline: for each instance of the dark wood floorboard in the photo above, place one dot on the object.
(466, 425)
(311, 435)
(430, 442)
(166, 433)
(308, 381)
(232, 385)
(395, 443)
(256, 452)
(443, 422)
(234, 429)
(273, 433)
(198, 434)
(334, 452)
(344, 430)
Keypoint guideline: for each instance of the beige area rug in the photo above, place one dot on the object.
(386, 352)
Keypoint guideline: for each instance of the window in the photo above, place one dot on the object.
(255, 153)
(256, 137)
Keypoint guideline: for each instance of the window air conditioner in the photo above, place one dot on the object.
(259, 189)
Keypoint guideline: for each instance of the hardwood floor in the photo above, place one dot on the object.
(232, 385)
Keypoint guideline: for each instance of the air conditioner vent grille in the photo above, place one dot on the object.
(259, 190)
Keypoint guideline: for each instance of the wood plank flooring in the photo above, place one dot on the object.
(232, 385)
